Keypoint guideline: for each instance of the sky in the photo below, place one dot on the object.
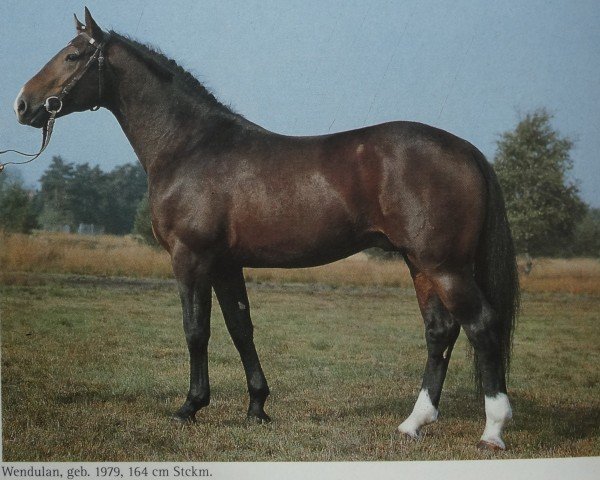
(306, 67)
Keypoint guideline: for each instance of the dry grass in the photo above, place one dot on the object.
(104, 255)
(123, 256)
(574, 275)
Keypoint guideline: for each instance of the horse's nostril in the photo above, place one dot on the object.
(22, 106)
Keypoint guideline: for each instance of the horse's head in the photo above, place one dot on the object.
(70, 82)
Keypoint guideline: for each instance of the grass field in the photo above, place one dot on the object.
(93, 366)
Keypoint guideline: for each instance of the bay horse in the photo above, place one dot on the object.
(226, 194)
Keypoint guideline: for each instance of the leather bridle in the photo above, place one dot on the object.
(97, 55)
(54, 103)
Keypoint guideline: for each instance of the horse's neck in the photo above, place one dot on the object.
(157, 123)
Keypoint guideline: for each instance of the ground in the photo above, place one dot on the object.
(92, 368)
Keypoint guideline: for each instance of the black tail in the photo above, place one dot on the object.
(496, 265)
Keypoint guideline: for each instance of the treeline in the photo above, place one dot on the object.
(74, 197)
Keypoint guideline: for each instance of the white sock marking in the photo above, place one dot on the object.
(423, 413)
(497, 412)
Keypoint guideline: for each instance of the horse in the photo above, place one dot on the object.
(226, 194)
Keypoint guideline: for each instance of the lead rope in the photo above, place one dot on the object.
(47, 130)
(46, 134)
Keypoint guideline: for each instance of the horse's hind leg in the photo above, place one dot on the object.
(441, 332)
(230, 289)
(463, 298)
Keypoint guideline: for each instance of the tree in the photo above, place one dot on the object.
(16, 212)
(86, 191)
(54, 195)
(543, 205)
(587, 235)
(71, 195)
(126, 186)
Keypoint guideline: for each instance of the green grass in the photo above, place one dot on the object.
(92, 369)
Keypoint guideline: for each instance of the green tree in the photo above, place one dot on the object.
(16, 207)
(532, 163)
(54, 195)
(587, 235)
(125, 186)
(86, 192)
(71, 195)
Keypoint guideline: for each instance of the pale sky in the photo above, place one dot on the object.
(312, 67)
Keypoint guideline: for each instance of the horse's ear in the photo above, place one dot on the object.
(78, 25)
(91, 27)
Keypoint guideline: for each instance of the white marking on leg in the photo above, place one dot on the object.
(497, 412)
(241, 306)
(423, 413)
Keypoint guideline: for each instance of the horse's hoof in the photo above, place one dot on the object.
(489, 446)
(411, 437)
(408, 433)
(183, 419)
(258, 418)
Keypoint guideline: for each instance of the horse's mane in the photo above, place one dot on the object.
(169, 69)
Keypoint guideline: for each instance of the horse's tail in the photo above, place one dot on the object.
(495, 265)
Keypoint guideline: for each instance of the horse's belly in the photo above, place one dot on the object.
(296, 244)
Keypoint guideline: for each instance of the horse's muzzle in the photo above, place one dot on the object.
(21, 107)
(29, 112)
(34, 117)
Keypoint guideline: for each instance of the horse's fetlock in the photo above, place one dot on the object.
(259, 392)
(199, 396)
(199, 401)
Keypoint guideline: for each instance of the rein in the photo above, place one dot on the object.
(54, 104)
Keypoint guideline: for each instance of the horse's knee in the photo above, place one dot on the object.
(197, 337)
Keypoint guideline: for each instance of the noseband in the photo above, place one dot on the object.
(54, 103)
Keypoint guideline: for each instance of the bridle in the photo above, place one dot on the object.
(97, 55)
(54, 103)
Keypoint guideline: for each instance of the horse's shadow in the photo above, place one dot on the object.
(570, 421)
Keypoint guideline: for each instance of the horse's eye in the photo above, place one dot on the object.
(71, 57)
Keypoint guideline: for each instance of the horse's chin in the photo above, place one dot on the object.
(38, 119)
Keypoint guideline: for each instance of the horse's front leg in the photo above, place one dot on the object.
(195, 292)
(230, 289)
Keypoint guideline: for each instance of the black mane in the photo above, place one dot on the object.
(169, 69)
